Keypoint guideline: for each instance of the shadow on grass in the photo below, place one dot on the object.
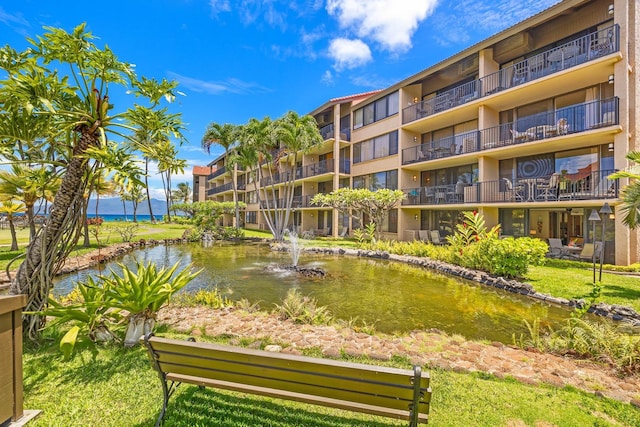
(194, 406)
(620, 292)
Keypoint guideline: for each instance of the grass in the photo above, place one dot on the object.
(111, 386)
(107, 237)
(572, 280)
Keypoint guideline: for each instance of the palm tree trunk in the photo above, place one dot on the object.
(14, 237)
(146, 183)
(53, 241)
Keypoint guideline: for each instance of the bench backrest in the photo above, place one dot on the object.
(368, 385)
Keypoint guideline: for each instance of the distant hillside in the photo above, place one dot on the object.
(113, 206)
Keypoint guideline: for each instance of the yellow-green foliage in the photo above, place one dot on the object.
(302, 309)
(209, 298)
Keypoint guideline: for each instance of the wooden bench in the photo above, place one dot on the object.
(389, 392)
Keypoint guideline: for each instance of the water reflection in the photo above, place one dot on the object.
(395, 297)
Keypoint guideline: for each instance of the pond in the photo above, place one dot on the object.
(392, 296)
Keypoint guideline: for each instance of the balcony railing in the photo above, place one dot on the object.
(217, 172)
(297, 202)
(315, 169)
(575, 52)
(443, 101)
(327, 131)
(552, 124)
(220, 189)
(557, 187)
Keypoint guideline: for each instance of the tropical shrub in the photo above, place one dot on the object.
(510, 257)
(142, 293)
(205, 297)
(126, 231)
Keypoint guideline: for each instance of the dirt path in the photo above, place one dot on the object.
(430, 348)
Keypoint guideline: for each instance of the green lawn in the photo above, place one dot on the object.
(568, 279)
(111, 386)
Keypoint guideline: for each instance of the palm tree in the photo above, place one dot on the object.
(10, 209)
(291, 135)
(183, 193)
(153, 129)
(165, 153)
(78, 102)
(631, 193)
(226, 136)
(29, 186)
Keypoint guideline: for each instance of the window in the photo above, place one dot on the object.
(388, 179)
(390, 224)
(382, 146)
(251, 217)
(377, 110)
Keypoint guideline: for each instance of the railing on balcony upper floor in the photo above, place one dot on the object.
(328, 131)
(296, 203)
(345, 134)
(557, 187)
(217, 172)
(575, 52)
(552, 124)
(315, 169)
(443, 101)
(220, 189)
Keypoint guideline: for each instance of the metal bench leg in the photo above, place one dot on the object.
(414, 412)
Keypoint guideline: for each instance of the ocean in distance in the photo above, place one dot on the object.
(123, 218)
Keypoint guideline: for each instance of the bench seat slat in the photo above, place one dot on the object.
(290, 376)
(300, 397)
(275, 359)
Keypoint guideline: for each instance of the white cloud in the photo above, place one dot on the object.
(219, 6)
(454, 24)
(230, 85)
(349, 54)
(327, 78)
(390, 23)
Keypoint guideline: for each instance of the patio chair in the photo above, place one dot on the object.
(519, 137)
(549, 190)
(423, 235)
(555, 248)
(435, 237)
(513, 192)
(345, 232)
(588, 250)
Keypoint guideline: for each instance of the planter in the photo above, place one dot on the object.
(11, 358)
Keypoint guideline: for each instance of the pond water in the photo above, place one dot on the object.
(393, 296)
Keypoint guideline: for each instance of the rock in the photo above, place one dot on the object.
(274, 348)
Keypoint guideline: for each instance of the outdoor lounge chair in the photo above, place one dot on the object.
(588, 251)
(423, 235)
(555, 248)
(435, 237)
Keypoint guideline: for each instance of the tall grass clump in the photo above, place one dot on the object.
(302, 309)
(204, 297)
(604, 342)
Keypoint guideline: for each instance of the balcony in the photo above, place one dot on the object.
(575, 52)
(327, 131)
(557, 187)
(571, 120)
(443, 101)
(296, 203)
(315, 169)
(217, 172)
(220, 188)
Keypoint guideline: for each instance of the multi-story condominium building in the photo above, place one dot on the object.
(525, 127)
(200, 177)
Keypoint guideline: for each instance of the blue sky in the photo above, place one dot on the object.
(235, 60)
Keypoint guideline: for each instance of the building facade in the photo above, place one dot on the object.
(524, 127)
(200, 178)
